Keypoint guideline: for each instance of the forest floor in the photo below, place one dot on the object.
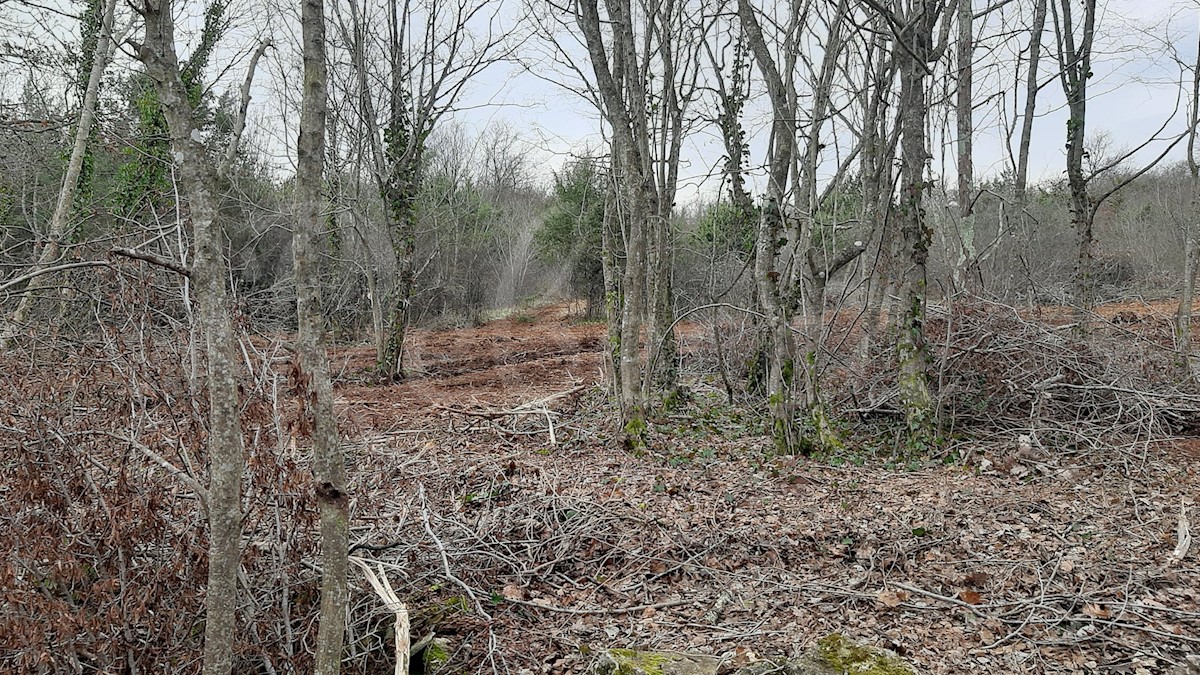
(513, 523)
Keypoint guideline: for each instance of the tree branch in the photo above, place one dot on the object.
(11, 283)
(174, 266)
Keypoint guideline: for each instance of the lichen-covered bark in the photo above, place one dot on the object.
(329, 471)
(197, 179)
(915, 234)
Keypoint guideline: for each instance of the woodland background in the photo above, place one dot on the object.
(279, 305)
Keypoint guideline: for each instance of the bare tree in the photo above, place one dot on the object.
(1075, 69)
(967, 269)
(431, 51)
(879, 137)
(59, 227)
(1018, 211)
(645, 77)
(968, 273)
(329, 468)
(197, 174)
(791, 270)
(781, 154)
(921, 29)
(1183, 319)
(1075, 39)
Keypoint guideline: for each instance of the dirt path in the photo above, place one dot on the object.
(499, 364)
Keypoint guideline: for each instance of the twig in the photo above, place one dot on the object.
(600, 610)
(158, 459)
(383, 588)
(50, 270)
(935, 596)
(446, 560)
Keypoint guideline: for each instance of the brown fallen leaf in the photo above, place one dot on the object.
(890, 598)
(1097, 611)
(970, 597)
(976, 579)
(513, 592)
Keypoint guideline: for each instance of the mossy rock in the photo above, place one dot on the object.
(634, 662)
(435, 655)
(832, 655)
(806, 665)
(847, 656)
(835, 655)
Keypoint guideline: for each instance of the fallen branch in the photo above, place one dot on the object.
(487, 414)
(383, 588)
(600, 610)
(159, 261)
(1183, 534)
(441, 548)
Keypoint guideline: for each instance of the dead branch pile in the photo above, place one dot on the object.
(525, 560)
(995, 370)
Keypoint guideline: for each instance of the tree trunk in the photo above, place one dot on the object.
(1075, 66)
(967, 271)
(813, 266)
(875, 180)
(611, 267)
(1191, 262)
(198, 178)
(401, 207)
(665, 354)
(316, 391)
(624, 105)
(915, 236)
(771, 284)
(1191, 267)
(633, 298)
(59, 229)
(1020, 199)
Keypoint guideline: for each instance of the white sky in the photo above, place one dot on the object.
(1135, 90)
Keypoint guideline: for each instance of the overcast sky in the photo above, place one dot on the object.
(1135, 90)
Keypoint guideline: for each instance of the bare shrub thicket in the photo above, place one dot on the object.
(103, 509)
(1139, 241)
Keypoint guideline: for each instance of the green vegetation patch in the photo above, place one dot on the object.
(846, 656)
